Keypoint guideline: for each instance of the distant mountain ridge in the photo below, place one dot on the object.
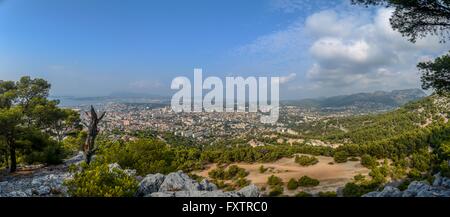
(377, 99)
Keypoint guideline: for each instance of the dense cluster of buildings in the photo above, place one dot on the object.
(129, 117)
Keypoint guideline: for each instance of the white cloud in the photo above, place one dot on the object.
(344, 50)
(365, 56)
(288, 39)
(288, 78)
(328, 22)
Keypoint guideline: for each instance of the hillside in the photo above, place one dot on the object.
(378, 100)
(362, 129)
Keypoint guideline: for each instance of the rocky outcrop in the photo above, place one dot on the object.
(179, 181)
(49, 182)
(179, 184)
(44, 182)
(249, 191)
(439, 188)
(150, 184)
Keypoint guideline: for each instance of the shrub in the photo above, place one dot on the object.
(242, 182)
(340, 157)
(421, 161)
(357, 190)
(414, 174)
(306, 181)
(404, 185)
(305, 160)
(274, 181)
(445, 169)
(220, 184)
(368, 161)
(242, 173)
(303, 194)
(262, 169)
(218, 173)
(146, 156)
(99, 181)
(73, 144)
(233, 172)
(52, 154)
(292, 184)
(359, 178)
(276, 191)
(378, 175)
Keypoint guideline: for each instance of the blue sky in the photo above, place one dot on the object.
(97, 47)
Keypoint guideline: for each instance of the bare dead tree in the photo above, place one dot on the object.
(89, 147)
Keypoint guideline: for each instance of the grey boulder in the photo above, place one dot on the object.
(179, 181)
(150, 184)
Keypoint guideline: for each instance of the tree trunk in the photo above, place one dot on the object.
(89, 146)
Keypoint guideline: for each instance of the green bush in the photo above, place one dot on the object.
(357, 190)
(74, 144)
(262, 169)
(145, 156)
(305, 160)
(378, 175)
(303, 194)
(99, 181)
(340, 157)
(368, 161)
(404, 185)
(38, 147)
(421, 160)
(359, 178)
(276, 191)
(274, 181)
(218, 173)
(445, 169)
(242, 182)
(306, 181)
(52, 154)
(292, 184)
(414, 174)
(233, 172)
(221, 184)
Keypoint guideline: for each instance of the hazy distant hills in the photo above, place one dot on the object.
(117, 97)
(374, 100)
(378, 100)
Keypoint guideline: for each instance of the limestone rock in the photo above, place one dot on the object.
(250, 191)
(208, 186)
(179, 181)
(205, 194)
(150, 184)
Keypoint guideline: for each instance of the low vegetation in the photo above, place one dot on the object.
(305, 160)
(98, 180)
(306, 181)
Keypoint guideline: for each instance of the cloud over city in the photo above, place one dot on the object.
(347, 51)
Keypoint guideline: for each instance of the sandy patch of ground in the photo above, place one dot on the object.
(331, 176)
